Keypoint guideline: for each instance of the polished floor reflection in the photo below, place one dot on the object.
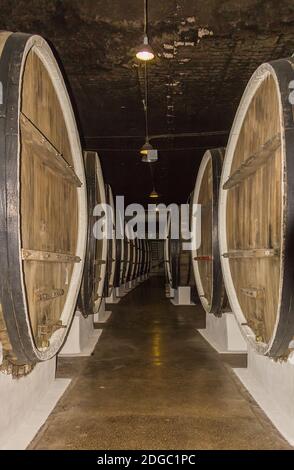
(154, 383)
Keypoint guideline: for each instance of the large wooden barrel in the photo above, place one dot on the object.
(149, 264)
(43, 215)
(167, 260)
(126, 260)
(96, 254)
(139, 250)
(257, 211)
(206, 259)
(119, 263)
(111, 251)
(179, 265)
(133, 260)
(148, 257)
(143, 270)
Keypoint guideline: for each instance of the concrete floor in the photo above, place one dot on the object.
(154, 383)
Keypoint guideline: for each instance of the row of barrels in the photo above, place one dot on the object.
(246, 258)
(133, 262)
(50, 260)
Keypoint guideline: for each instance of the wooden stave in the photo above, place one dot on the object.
(282, 72)
(14, 53)
(219, 301)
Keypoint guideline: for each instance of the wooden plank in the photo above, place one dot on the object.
(51, 157)
(48, 256)
(252, 253)
(99, 261)
(254, 162)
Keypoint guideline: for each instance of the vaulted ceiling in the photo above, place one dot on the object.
(206, 51)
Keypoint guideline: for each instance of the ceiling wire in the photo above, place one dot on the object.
(146, 101)
(161, 136)
(145, 17)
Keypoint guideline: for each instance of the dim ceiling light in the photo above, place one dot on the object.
(145, 51)
(147, 146)
(154, 194)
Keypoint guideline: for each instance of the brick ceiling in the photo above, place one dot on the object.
(206, 51)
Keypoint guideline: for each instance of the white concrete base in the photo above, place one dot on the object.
(103, 315)
(115, 297)
(224, 334)
(182, 296)
(271, 384)
(26, 403)
(82, 337)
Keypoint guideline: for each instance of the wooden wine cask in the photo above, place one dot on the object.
(141, 271)
(119, 263)
(206, 259)
(43, 214)
(126, 260)
(96, 253)
(139, 257)
(144, 258)
(149, 258)
(257, 211)
(111, 250)
(167, 260)
(180, 263)
(133, 258)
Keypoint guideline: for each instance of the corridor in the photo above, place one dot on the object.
(153, 382)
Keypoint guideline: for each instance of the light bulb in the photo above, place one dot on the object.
(145, 51)
(154, 194)
(147, 146)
